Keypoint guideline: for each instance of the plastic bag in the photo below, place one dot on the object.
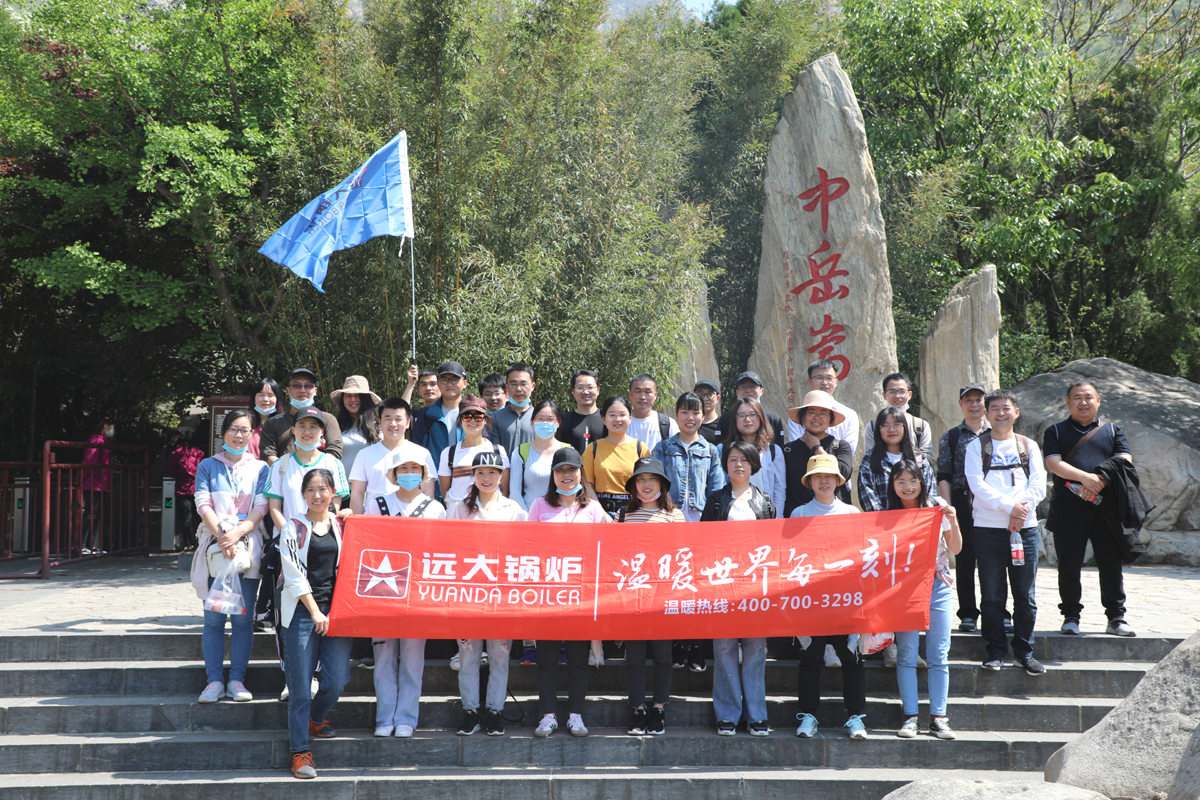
(869, 643)
(225, 594)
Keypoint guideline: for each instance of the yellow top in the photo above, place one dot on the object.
(608, 466)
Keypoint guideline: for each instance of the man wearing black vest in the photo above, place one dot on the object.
(1074, 448)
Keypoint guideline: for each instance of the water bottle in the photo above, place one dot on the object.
(1017, 546)
(1078, 489)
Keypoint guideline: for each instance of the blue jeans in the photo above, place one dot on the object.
(469, 651)
(399, 664)
(241, 640)
(733, 686)
(937, 653)
(996, 573)
(302, 649)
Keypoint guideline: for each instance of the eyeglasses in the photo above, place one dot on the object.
(741, 417)
(240, 431)
(307, 387)
(895, 427)
(896, 392)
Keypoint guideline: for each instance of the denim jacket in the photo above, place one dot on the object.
(695, 468)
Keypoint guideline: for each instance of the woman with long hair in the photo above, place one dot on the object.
(750, 425)
(908, 487)
(311, 545)
(264, 404)
(484, 501)
(230, 501)
(893, 443)
(357, 417)
(608, 462)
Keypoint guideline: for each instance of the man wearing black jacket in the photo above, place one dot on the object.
(1074, 448)
(816, 416)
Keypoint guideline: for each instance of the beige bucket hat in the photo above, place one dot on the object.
(355, 384)
(816, 399)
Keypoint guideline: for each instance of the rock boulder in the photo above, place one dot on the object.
(1161, 417)
(961, 345)
(943, 788)
(823, 285)
(1136, 750)
(700, 360)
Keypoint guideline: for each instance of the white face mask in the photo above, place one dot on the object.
(266, 412)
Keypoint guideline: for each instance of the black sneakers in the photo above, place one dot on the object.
(656, 721)
(638, 725)
(1033, 666)
(695, 661)
(470, 723)
(679, 655)
(495, 723)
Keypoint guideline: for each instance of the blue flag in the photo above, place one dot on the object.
(375, 200)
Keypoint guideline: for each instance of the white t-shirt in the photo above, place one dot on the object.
(353, 443)
(463, 477)
(771, 478)
(287, 475)
(815, 508)
(374, 462)
(504, 510)
(740, 508)
(399, 508)
(648, 431)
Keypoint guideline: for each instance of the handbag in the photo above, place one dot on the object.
(218, 561)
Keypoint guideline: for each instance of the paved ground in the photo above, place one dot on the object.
(151, 594)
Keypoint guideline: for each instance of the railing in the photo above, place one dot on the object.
(69, 511)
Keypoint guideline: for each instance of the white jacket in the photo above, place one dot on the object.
(293, 554)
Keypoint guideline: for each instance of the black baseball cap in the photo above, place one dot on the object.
(566, 457)
(710, 384)
(302, 371)
(313, 413)
(452, 368)
(489, 459)
(749, 376)
(971, 387)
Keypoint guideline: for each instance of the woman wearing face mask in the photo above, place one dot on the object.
(531, 463)
(400, 663)
(908, 487)
(264, 404)
(564, 501)
(740, 500)
(357, 417)
(484, 501)
(649, 491)
(96, 486)
(230, 500)
(608, 462)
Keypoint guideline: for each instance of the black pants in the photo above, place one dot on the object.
(854, 678)
(964, 562)
(1076, 524)
(577, 675)
(635, 671)
(186, 521)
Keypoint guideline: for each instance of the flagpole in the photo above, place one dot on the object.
(412, 260)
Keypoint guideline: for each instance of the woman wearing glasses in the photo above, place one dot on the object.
(750, 425)
(230, 500)
(455, 471)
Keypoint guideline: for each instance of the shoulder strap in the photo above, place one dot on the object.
(1023, 452)
(1079, 445)
(985, 451)
(523, 449)
(595, 443)
(383, 507)
(955, 434)
(639, 447)
(421, 508)
(664, 426)
(450, 458)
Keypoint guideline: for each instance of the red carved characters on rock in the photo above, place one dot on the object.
(821, 275)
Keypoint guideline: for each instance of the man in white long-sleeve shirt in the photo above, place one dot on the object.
(1004, 496)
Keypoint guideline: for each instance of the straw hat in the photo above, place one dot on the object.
(355, 384)
(823, 465)
(816, 399)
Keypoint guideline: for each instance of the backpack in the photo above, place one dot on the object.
(383, 508)
(985, 452)
(664, 427)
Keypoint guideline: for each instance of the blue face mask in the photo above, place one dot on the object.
(409, 481)
(545, 430)
(266, 412)
(571, 493)
(233, 452)
(306, 448)
(520, 405)
(302, 403)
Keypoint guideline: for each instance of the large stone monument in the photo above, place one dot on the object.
(823, 284)
(961, 346)
(699, 360)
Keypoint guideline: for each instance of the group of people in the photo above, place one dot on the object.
(286, 476)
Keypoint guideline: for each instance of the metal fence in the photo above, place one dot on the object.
(64, 510)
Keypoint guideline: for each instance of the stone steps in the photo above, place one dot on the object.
(525, 782)
(76, 714)
(605, 747)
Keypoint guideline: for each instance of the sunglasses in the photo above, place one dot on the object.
(474, 415)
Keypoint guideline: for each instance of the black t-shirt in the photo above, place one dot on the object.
(580, 430)
(777, 424)
(322, 568)
(1061, 437)
(711, 431)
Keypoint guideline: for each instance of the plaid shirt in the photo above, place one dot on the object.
(872, 486)
(950, 465)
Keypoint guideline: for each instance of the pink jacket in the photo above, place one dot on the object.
(97, 480)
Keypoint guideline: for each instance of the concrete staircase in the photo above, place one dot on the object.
(107, 716)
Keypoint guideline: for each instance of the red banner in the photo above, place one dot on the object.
(444, 579)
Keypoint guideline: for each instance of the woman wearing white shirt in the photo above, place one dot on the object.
(529, 477)
(455, 471)
(750, 424)
(357, 417)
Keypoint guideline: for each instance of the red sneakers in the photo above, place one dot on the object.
(302, 765)
(322, 731)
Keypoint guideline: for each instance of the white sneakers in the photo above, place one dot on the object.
(384, 730)
(546, 727)
(400, 731)
(213, 692)
(237, 691)
(831, 657)
(575, 725)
